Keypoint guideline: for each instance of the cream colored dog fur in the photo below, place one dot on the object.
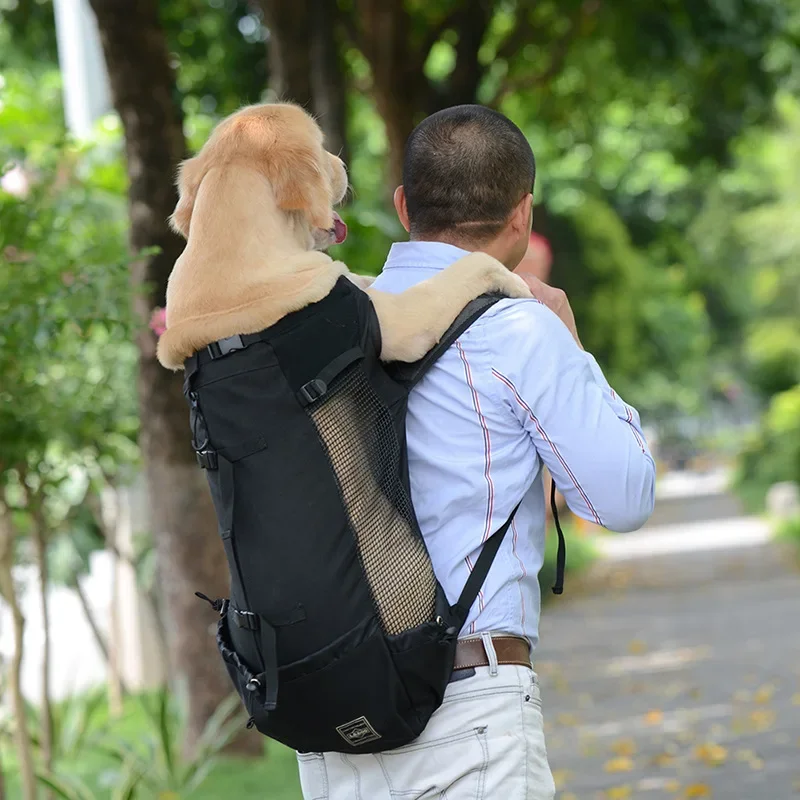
(256, 207)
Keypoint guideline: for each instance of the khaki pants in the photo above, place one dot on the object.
(486, 741)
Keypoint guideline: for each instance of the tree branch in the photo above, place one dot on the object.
(436, 32)
(524, 31)
(351, 29)
(471, 21)
(558, 56)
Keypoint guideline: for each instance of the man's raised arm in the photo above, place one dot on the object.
(590, 440)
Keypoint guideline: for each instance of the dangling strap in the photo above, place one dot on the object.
(478, 575)
(561, 555)
(487, 556)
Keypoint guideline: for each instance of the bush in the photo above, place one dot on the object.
(772, 454)
(789, 531)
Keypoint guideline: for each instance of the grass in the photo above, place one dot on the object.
(272, 778)
(789, 531)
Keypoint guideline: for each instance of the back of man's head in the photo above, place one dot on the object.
(465, 170)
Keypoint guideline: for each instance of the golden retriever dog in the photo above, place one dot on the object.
(257, 208)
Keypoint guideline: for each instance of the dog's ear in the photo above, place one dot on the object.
(301, 181)
(189, 177)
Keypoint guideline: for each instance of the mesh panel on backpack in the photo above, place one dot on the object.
(357, 432)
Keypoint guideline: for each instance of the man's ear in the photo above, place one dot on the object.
(522, 219)
(401, 207)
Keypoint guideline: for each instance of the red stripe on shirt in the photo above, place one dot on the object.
(549, 441)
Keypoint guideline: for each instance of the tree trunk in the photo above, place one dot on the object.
(102, 644)
(39, 534)
(107, 516)
(8, 593)
(328, 83)
(463, 82)
(382, 32)
(183, 522)
(305, 63)
(288, 50)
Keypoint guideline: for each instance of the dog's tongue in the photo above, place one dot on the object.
(339, 228)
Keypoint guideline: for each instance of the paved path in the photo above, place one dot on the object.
(677, 675)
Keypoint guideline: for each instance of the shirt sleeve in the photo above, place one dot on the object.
(589, 439)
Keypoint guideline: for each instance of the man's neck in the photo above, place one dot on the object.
(490, 248)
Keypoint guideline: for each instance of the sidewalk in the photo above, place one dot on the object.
(673, 671)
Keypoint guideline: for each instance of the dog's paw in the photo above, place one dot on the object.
(494, 276)
(511, 285)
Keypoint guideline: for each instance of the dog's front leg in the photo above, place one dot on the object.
(362, 281)
(413, 321)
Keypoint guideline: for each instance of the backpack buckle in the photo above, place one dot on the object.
(207, 459)
(245, 619)
(312, 391)
(222, 347)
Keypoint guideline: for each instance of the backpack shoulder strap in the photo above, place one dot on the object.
(412, 374)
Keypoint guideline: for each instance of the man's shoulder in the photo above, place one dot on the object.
(515, 317)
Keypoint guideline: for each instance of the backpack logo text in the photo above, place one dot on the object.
(358, 732)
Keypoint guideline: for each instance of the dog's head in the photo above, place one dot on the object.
(284, 143)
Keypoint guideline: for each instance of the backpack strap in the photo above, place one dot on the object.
(478, 575)
(412, 374)
(484, 563)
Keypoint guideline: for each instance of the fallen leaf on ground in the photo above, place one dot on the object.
(624, 747)
(619, 764)
(711, 754)
(762, 719)
(697, 790)
(663, 760)
(654, 717)
(636, 647)
(750, 758)
(672, 786)
(796, 699)
(560, 777)
(618, 793)
(764, 694)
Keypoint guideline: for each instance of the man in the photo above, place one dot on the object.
(514, 393)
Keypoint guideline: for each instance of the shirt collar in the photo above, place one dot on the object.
(432, 255)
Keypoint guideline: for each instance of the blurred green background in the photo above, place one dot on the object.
(667, 138)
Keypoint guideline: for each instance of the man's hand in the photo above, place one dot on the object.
(555, 299)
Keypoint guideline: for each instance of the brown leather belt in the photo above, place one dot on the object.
(510, 650)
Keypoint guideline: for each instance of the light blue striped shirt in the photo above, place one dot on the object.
(514, 392)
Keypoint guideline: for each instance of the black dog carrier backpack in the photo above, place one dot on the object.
(337, 635)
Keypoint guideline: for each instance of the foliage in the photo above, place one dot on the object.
(789, 531)
(156, 757)
(68, 412)
(138, 755)
(772, 452)
(769, 231)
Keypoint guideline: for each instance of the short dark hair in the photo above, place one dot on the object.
(465, 169)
